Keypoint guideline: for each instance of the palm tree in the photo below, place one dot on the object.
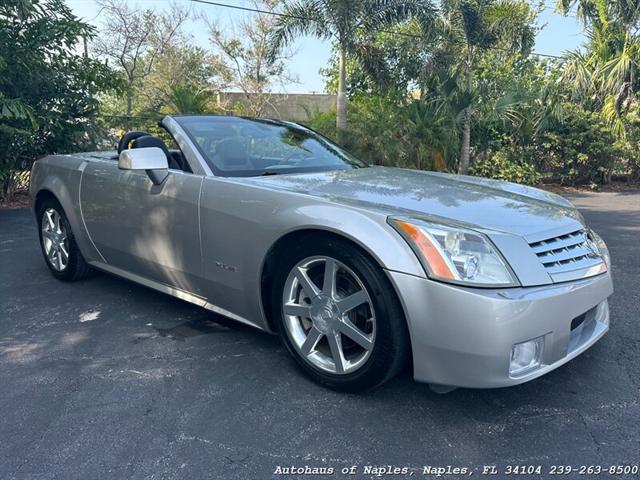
(606, 75)
(470, 26)
(341, 20)
(188, 99)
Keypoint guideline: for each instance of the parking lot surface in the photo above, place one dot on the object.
(107, 379)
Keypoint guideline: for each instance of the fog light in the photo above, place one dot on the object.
(526, 356)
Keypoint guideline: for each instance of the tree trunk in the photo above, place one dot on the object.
(128, 121)
(341, 103)
(463, 166)
(465, 148)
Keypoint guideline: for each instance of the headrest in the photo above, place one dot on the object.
(149, 141)
(232, 152)
(127, 138)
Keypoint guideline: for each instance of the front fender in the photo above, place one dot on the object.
(61, 175)
(370, 231)
(241, 223)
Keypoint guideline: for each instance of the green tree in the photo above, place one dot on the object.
(581, 148)
(605, 75)
(519, 97)
(388, 63)
(416, 133)
(513, 95)
(181, 68)
(133, 40)
(469, 27)
(341, 20)
(188, 99)
(243, 54)
(48, 92)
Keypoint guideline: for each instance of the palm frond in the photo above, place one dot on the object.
(616, 72)
(383, 13)
(511, 20)
(612, 117)
(188, 99)
(563, 6)
(302, 17)
(578, 72)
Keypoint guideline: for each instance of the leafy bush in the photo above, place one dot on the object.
(323, 122)
(383, 131)
(48, 93)
(505, 165)
(12, 180)
(580, 149)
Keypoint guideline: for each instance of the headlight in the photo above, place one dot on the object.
(455, 254)
(601, 246)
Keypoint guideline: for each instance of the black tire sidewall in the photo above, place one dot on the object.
(391, 346)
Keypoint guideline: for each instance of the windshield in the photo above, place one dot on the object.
(243, 147)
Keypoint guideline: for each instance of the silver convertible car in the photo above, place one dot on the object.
(361, 270)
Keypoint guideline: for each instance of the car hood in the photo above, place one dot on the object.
(477, 202)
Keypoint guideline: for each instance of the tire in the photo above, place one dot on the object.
(54, 229)
(307, 323)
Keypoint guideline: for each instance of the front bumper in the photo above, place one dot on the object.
(463, 337)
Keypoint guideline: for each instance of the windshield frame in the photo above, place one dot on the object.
(350, 160)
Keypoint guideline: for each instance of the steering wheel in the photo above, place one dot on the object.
(297, 154)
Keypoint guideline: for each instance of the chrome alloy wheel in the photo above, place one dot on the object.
(54, 240)
(328, 315)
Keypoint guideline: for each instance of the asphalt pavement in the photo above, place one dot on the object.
(105, 379)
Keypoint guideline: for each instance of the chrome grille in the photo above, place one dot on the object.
(565, 253)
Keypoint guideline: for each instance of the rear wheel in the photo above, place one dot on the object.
(58, 245)
(339, 316)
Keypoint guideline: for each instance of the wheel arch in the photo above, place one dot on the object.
(55, 189)
(52, 183)
(277, 248)
(58, 178)
(41, 196)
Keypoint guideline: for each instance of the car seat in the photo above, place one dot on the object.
(129, 137)
(231, 154)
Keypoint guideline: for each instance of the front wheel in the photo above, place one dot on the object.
(58, 244)
(338, 316)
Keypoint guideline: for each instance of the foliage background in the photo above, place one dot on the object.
(414, 84)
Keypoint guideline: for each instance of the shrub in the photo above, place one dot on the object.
(384, 131)
(506, 165)
(48, 91)
(580, 149)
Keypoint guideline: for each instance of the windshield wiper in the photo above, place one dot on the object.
(276, 169)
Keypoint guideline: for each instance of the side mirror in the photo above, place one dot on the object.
(151, 159)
